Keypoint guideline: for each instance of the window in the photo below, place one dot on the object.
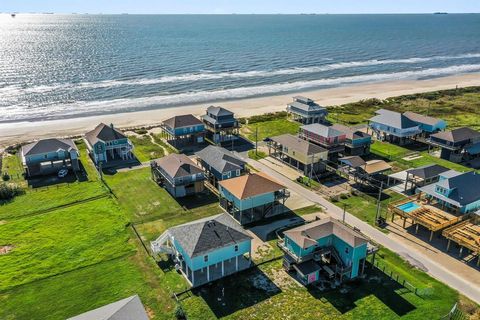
(346, 250)
(205, 258)
(236, 248)
(238, 172)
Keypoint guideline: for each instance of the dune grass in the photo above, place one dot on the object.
(145, 149)
(269, 128)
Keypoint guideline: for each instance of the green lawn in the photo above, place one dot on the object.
(62, 240)
(388, 150)
(145, 149)
(46, 198)
(365, 207)
(86, 162)
(12, 165)
(158, 139)
(269, 128)
(140, 196)
(256, 155)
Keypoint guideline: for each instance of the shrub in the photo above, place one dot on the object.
(5, 176)
(9, 191)
(180, 313)
(140, 131)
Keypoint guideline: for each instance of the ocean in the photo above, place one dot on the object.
(62, 66)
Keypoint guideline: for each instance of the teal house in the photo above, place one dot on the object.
(207, 249)
(326, 248)
(252, 197)
(183, 130)
(108, 145)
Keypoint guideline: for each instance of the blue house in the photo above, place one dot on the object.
(428, 125)
(306, 111)
(207, 249)
(326, 248)
(221, 124)
(178, 174)
(462, 144)
(252, 197)
(393, 127)
(357, 142)
(49, 156)
(220, 164)
(183, 130)
(455, 191)
(108, 144)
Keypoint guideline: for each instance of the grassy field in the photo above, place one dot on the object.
(458, 107)
(269, 128)
(269, 293)
(145, 149)
(12, 165)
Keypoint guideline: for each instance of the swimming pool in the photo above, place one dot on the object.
(409, 206)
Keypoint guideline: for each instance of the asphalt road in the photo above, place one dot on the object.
(415, 257)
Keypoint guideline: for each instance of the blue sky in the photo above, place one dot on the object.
(240, 6)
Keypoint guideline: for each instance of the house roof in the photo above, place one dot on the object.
(351, 133)
(456, 135)
(185, 120)
(393, 119)
(48, 145)
(353, 161)
(199, 237)
(307, 235)
(322, 130)
(376, 166)
(178, 165)
(298, 144)
(461, 185)
(251, 185)
(221, 159)
(219, 111)
(421, 118)
(105, 133)
(428, 171)
(306, 107)
(130, 308)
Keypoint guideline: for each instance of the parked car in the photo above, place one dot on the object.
(62, 173)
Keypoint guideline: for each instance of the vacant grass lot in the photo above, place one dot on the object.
(87, 163)
(145, 149)
(269, 128)
(62, 240)
(12, 165)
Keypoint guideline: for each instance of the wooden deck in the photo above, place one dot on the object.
(465, 234)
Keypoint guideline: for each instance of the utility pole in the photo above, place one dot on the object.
(311, 169)
(378, 202)
(344, 212)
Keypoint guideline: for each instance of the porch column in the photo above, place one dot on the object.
(236, 263)
(186, 269)
(363, 265)
(461, 251)
(404, 222)
(223, 270)
(416, 229)
(431, 235)
(208, 273)
(193, 278)
(448, 245)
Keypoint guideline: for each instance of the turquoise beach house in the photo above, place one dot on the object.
(252, 197)
(108, 145)
(207, 249)
(184, 130)
(326, 248)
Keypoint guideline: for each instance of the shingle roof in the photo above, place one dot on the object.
(104, 133)
(130, 308)
(221, 159)
(178, 165)
(298, 144)
(186, 120)
(202, 236)
(351, 133)
(322, 130)
(48, 145)
(306, 107)
(456, 135)
(393, 119)
(421, 118)
(251, 185)
(465, 187)
(307, 235)
(428, 171)
(353, 161)
(219, 111)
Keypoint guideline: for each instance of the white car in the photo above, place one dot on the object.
(62, 173)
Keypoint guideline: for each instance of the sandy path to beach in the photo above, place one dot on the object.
(12, 133)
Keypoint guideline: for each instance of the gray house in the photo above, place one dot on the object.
(220, 124)
(107, 144)
(306, 111)
(48, 156)
(130, 308)
(178, 174)
(220, 164)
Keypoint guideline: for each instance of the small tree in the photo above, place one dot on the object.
(9, 191)
(5, 176)
(180, 313)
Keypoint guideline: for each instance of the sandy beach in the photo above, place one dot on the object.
(12, 133)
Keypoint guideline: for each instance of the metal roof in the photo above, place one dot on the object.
(130, 308)
(463, 188)
(221, 159)
(322, 130)
(219, 111)
(393, 119)
(48, 145)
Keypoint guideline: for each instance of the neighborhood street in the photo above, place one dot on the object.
(413, 256)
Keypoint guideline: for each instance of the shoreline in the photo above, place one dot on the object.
(18, 132)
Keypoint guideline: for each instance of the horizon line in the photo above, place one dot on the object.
(235, 13)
